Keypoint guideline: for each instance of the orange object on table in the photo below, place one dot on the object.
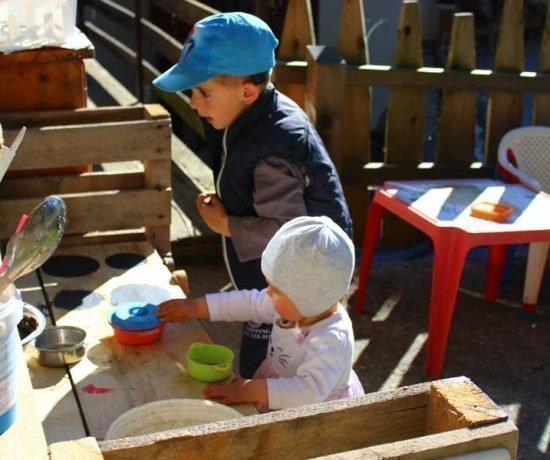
(491, 211)
(440, 209)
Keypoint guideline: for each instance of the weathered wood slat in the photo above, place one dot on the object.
(425, 78)
(96, 211)
(28, 187)
(503, 436)
(304, 432)
(378, 173)
(298, 32)
(405, 116)
(504, 111)
(14, 120)
(456, 132)
(55, 146)
(323, 103)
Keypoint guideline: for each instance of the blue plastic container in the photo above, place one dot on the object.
(11, 312)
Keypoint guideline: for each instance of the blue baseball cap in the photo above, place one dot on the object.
(237, 44)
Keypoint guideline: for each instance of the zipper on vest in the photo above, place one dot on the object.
(219, 192)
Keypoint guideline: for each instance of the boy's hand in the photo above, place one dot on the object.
(213, 213)
(181, 310)
(238, 391)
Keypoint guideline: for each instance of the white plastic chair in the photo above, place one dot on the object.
(524, 153)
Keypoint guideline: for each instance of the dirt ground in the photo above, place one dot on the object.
(505, 352)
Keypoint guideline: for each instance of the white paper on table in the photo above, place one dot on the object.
(7, 154)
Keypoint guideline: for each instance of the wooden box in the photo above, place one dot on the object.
(425, 421)
(45, 78)
(128, 195)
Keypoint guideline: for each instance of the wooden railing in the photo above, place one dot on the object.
(334, 87)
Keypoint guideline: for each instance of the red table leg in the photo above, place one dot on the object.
(372, 227)
(495, 270)
(450, 251)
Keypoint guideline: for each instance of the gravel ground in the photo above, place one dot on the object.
(505, 352)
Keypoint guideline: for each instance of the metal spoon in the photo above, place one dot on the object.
(36, 242)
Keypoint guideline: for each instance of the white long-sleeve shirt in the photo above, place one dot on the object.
(304, 365)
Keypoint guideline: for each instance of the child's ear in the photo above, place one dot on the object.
(250, 92)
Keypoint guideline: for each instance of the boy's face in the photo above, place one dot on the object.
(282, 303)
(221, 102)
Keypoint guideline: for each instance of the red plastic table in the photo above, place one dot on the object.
(441, 209)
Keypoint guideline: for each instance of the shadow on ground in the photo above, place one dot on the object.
(506, 353)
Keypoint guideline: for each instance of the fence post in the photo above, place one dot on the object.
(504, 110)
(355, 136)
(405, 117)
(325, 83)
(541, 101)
(456, 132)
(298, 33)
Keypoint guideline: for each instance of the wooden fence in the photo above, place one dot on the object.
(334, 87)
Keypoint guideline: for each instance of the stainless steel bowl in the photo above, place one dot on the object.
(60, 345)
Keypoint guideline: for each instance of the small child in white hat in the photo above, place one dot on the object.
(308, 265)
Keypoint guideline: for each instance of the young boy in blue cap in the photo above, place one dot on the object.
(269, 162)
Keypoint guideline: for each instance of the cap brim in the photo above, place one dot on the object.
(177, 78)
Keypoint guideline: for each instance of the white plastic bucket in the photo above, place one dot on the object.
(11, 313)
(168, 414)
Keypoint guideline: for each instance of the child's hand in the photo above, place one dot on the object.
(176, 311)
(213, 213)
(239, 391)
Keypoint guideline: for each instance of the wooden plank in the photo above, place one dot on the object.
(405, 117)
(42, 86)
(294, 72)
(55, 146)
(404, 141)
(298, 32)
(541, 102)
(456, 131)
(96, 211)
(460, 404)
(502, 436)
(504, 111)
(378, 173)
(29, 187)
(56, 407)
(187, 11)
(83, 449)
(303, 432)
(14, 120)
(355, 143)
(124, 376)
(323, 103)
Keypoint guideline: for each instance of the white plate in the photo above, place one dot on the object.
(169, 414)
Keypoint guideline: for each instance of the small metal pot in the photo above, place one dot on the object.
(60, 345)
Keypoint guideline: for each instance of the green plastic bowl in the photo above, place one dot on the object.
(208, 362)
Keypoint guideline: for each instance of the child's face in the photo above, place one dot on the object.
(221, 102)
(282, 303)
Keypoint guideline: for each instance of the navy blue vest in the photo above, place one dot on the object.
(274, 125)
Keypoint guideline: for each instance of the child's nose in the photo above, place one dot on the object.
(193, 103)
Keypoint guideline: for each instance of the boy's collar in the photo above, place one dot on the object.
(250, 115)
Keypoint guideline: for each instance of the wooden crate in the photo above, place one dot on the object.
(128, 201)
(45, 78)
(425, 421)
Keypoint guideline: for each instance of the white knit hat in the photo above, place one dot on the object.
(310, 259)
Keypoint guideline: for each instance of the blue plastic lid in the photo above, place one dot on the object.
(136, 316)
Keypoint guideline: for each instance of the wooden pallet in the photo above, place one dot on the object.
(103, 206)
(425, 421)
